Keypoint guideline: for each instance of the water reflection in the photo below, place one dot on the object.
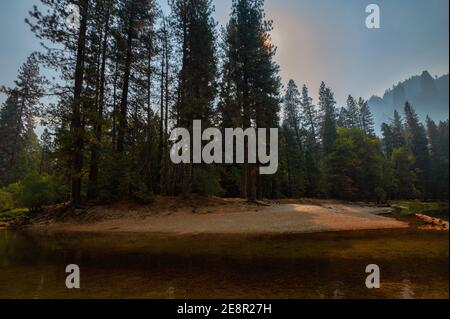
(413, 265)
(407, 292)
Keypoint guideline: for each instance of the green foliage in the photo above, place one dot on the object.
(6, 201)
(418, 157)
(294, 164)
(380, 195)
(292, 151)
(230, 179)
(140, 192)
(36, 191)
(353, 115)
(405, 176)
(19, 147)
(354, 168)
(417, 142)
(406, 208)
(292, 107)
(438, 135)
(109, 177)
(327, 105)
(12, 214)
(206, 181)
(312, 170)
(366, 118)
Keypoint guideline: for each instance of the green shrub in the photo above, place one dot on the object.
(13, 190)
(12, 214)
(407, 208)
(36, 191)
(380, 195)
(206, 181)
(6, 201)
(140, 192)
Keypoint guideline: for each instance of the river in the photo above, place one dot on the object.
(413, 264)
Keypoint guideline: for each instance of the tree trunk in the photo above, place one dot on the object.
(166, 120)
(114, 114)
(76, 122)
(125, 90)
(161, 122)
(95, 152)
(148, 151)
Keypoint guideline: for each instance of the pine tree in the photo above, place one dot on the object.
(438, 136)
(404, 174)
(393, 134)
(312, 170)
(310, 123)
(328, 115)
(294, 141)
(100, 40)
(134, 42)
(17, 118)
(46, 150)
(164, 74)
(134, 17)
(309, 116)
(398, 131)
(354, 168)
(353, 114)
(68, 57)
(291, 109)
(342, 118)
(295, 163)
(9, 148)
(418, 144)
(366, 118)
(251, 83)
(195, 31)
(388, 143)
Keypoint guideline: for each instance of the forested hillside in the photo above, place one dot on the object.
(430, 97)
(128, 75)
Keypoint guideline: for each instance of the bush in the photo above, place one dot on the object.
(36, 191)
(206, 181)
(140, 192)
(380, 195)
(6, 201)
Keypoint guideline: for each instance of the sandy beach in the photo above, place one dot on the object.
(223, 216)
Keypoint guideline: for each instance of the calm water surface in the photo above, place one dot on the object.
(413, 264)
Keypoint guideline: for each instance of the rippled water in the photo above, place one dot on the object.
(413, 264)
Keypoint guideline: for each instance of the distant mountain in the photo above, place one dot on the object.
(428, 96)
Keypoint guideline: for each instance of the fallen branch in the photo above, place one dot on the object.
(433, 221)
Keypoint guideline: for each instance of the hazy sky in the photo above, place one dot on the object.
(317, 40)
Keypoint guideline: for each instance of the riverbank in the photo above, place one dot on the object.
(204, 248)
(220, 216)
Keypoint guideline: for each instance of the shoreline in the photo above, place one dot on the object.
(214, 216)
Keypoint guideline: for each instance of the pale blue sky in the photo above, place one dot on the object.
(317, 40)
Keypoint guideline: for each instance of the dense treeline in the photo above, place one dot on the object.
(125, 75)
(333, 152)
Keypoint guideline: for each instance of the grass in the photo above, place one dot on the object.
(406, 208)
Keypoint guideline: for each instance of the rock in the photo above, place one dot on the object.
(79, 212)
